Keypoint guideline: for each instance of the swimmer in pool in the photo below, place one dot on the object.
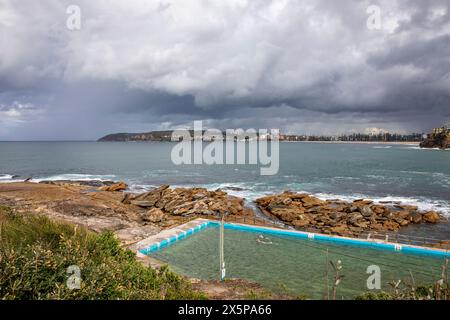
(263, 240)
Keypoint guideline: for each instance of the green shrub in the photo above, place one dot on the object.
(35, 253)
(375, 296)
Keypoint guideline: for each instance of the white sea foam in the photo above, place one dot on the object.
(428, 149)
(382, 147)
(7, 178)
(138, 188)
(423, 204)
(75, 177)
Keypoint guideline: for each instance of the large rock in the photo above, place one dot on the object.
(416, 218)
(391, 225)
(141, 203)
(120, 186)
(341, 230)
(311, 201)
(431, 217)
(154, 215)
(366, 211)
(300, 223)
(362, 202)
(378, 209)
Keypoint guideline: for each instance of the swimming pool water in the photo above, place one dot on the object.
(294, 266)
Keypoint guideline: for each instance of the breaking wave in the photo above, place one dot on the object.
(76, 177)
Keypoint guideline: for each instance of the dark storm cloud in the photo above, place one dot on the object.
(301, 66)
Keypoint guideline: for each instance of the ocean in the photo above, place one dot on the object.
(397, 172)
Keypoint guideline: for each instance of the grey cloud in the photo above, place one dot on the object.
(302, 66)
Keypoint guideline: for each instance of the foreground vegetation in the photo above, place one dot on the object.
(39, 259)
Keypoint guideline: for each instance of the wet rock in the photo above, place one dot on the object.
(431, 217)
(231, 188)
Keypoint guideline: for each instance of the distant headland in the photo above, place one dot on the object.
(145, 136)
(384, 137)
(439, 138)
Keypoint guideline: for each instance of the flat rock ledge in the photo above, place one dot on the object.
(341, 218)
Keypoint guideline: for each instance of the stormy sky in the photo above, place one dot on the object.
(307, 67)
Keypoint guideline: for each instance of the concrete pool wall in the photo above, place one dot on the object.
(174, 235)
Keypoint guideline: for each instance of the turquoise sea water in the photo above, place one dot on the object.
(294, 266)
(382, 172)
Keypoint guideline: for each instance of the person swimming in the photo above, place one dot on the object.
(263, 240)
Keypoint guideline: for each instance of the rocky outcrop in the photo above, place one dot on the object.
(439, 140)
(189, 201)
(120, 186)
(431, 217)
(87, 183)
(340, 217)
(131, 217)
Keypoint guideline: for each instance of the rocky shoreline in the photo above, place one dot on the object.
(100, 205)
(340, 217)
(106, 205)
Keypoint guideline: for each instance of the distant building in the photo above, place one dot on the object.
(445, 129)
